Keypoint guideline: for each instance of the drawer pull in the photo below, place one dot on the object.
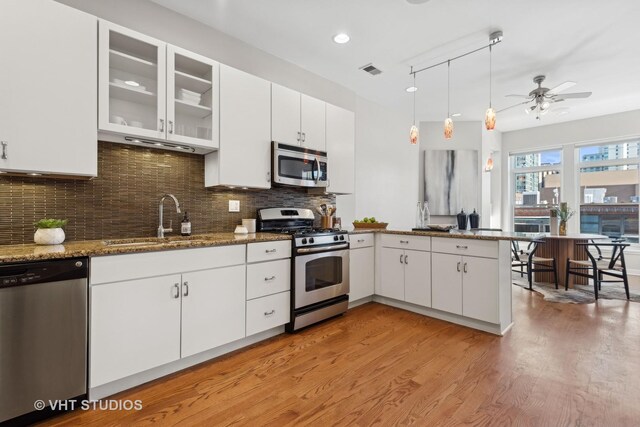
(462, 246)
(404, 241)
(360, 240)
(268, 279)
(270, 313)
(270, 251)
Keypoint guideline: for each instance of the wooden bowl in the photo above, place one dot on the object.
(370, 225)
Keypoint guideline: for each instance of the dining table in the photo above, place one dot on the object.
(562, 248)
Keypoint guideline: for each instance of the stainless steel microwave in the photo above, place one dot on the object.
(298, 166)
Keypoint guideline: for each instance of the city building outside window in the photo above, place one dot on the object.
(536, 178)
(609, 193)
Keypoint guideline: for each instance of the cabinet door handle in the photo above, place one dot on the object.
(464, 268)
(401, 259)
(186, 289)
(271, 251)
(304, 136)
(268, 279)
(406, 242)
(458, 267)
(161, 125)
(406, 259)
(176, 287)
(462, 247)
(5, 154)
(299, 136)
(268, 176)
(270, 313)
(170, 126)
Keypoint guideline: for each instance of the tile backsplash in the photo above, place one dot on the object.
(122, 201)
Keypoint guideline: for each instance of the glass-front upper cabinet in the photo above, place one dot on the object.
(132, 82)
(192, 98)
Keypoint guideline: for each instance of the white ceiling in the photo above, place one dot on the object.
(591, 42)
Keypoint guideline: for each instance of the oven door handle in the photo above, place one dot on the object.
(317, 162)
(323, 248)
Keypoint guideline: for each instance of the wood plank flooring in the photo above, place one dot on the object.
(561, 364)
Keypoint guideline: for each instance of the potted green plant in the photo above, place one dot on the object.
(564, 213)
(49, 231)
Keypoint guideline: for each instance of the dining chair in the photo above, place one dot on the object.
(540, 265)
(518, 259)
(597, 266)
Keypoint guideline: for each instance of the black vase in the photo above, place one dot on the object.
(462, 220)
(474, 220)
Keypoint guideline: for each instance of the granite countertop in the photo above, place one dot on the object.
(478, 235)
(72, 249)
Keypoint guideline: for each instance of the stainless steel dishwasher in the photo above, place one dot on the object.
(43, 336)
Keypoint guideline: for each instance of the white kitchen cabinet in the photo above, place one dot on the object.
(417, 277)
(340, 137)
(466, 285)
(361, 267)
(391, 282)
(48, 117)
(154, 94)
(446, 285)
(268, 312)
(135, 326)
(268, 278)
(212, 308)
(244, 156)
(297, 119)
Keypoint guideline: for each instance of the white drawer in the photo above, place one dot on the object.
(267, 278)
(361, 240)
(480, 248)
(419, 243)
(267, 251)
(267, 312)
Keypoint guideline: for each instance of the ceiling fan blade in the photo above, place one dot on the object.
(513, 106)
(561, 87)
(574, 95)
(517, 96)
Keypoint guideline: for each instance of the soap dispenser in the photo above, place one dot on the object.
(474, 220)
(462, 220)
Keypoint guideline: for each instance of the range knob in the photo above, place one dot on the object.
(341, 237)
(311, 240)
(304, 241)
(335, 238)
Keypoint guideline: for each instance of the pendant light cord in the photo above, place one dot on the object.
(414, 98)
(490, 75)
(448, 88)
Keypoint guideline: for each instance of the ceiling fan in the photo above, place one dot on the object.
(543, 97)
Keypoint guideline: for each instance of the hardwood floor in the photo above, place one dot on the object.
(561, 364)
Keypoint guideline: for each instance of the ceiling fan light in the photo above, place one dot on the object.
(545, 105)
(490, 119)
(448, 128)
(413, 135)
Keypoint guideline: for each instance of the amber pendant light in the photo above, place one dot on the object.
(448, 123)
(490, 115)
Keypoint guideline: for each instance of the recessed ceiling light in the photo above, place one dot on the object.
(456, 115)
(411, 89)
(132, 83)
(341, 38)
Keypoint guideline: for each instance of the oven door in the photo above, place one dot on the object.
(321, 276)
(299, 169)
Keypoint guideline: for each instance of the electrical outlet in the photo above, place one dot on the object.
(234, 205)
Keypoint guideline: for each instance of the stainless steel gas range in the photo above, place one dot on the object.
(319, 265)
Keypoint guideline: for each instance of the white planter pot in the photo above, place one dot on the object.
(49, 236)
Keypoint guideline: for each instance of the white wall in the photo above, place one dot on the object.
(386, 165)
(467, 135)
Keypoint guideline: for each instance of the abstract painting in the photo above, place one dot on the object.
(451, 181)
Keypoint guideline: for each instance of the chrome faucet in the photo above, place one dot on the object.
(161, 229)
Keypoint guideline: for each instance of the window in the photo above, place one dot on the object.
(609, 193)
(536, 178)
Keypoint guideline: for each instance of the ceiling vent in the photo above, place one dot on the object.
(369, 68)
